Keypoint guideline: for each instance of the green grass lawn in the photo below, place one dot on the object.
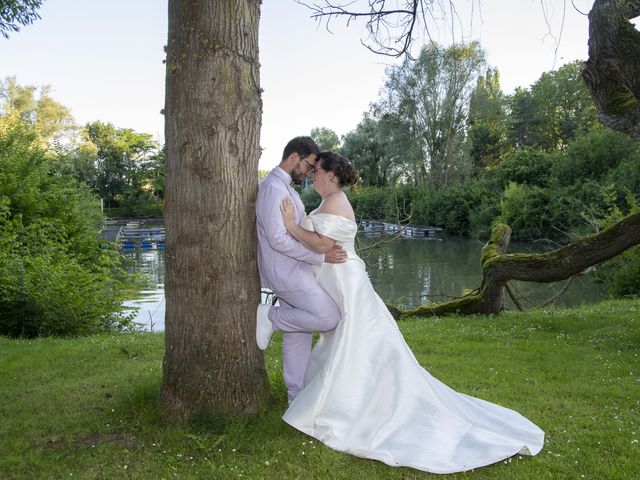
(87, 407)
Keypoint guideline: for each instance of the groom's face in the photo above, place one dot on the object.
(304, 168)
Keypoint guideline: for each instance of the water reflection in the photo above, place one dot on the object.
(149, 307)
(411, 272)
(406, 273)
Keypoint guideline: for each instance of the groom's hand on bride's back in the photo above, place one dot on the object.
(335, 255)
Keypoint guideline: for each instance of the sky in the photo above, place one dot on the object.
(103, 60)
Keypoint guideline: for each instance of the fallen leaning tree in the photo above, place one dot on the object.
(499, 267)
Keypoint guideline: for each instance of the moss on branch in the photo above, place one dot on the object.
(498, 267)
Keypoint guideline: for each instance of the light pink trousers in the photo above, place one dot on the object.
(299, 315)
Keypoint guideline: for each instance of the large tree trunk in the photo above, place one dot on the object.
(612, 72)
(212, 127)
(498, 267)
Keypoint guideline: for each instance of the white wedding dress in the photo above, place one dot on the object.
(366, 394)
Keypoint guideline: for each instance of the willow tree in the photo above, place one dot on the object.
(212, 129)
(429, 98)
(16, 13)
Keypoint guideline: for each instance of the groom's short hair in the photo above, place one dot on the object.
(303, 146)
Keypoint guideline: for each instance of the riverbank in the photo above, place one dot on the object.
(87, 408)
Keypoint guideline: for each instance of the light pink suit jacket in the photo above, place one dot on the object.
(284, 263)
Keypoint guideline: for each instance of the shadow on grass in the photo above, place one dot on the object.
(142, 414)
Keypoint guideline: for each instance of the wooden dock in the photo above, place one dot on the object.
(133, 235)
(378, 227)
(111, 232)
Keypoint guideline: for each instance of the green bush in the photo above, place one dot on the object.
(484, 210)
(621, 274)
(370, 202)
(626, 175)
(56, 277)
(401, 202)
(594, 154)
(525, 209)
(384, 203)
(524, 166)
(140, 204)
(559, 213)
(446, 208)
(310, 199)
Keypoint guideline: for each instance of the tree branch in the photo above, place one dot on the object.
(381, 22)
(513, 297)
(559, 294)
(17, 12)
(569, 260)
(499, 267)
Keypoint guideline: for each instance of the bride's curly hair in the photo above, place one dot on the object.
(340, 166)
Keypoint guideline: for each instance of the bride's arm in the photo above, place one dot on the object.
(312, 240)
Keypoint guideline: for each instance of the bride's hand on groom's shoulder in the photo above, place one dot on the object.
(287, 211)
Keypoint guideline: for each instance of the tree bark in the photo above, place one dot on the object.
(212, 127)
(612, 72)
(499, 267)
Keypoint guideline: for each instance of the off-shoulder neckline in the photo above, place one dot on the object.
(334, 215)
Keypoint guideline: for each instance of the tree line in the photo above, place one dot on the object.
(122, 167)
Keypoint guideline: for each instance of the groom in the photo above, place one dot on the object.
(285, 267)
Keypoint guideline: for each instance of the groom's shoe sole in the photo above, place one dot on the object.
(264, 328)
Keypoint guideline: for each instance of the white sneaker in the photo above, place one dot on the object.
(264, 327)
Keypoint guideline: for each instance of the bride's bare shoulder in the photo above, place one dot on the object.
(337, 204)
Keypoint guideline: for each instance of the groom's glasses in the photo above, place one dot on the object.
(310, 167)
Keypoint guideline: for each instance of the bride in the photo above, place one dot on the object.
(364, 391)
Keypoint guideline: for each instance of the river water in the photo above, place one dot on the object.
(405, 273)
